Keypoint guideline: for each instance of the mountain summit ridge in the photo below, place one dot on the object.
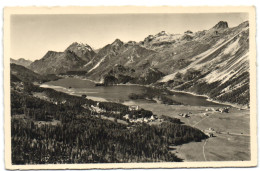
(221, 25)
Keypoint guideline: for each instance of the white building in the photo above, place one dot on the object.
(134, 107)
(126, 116)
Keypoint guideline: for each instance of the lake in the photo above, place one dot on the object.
(118, 93)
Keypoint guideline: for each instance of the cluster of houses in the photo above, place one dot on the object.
(55, 102)
(142, 119)
(209, 132)
(185, 115)
(96, 109)
(93, 108)
(152, 118)
(221, 110)
(18, 86)
(134, 108)
(45, 97)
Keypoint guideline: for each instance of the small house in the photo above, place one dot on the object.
(224, 110)
(152, 118)
(134, 107)
(210, 134)
(140, 120)
(211, 129)
(126, 116)
(160, 120)
(146, 120)
(185, 115)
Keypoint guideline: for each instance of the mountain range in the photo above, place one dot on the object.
(211, 62)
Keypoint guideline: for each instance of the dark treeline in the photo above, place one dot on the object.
(88, 140)
(170, 119)
(84, 139)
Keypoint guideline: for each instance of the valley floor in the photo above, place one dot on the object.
(231, 132)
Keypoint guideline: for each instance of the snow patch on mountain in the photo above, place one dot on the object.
(231, 49)
(97, 65)
(225, 75)
(201, 59)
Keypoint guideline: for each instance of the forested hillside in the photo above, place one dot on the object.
(53, 127)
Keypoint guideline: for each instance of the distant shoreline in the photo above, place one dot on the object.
(191, 93)
(79, 77)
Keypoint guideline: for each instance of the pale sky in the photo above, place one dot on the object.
(33, 35)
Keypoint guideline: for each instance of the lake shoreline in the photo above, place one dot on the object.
(211, 100)
(207, 98)
(186, 92)
(194, 94)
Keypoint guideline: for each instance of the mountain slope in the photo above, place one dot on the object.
(83, 51)
(221, 72)
(75, 56)
(128, 55)
(21, 61)
(212, 62)
(21, 73)
(122, 74)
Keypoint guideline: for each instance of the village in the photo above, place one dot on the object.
(133, 119)
(96, 110)
(127, 118)
(210, 131)
(220, 110)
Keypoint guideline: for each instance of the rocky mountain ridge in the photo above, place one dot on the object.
(76, 55)
(216, 58)
(84, 51)
(21, 61)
